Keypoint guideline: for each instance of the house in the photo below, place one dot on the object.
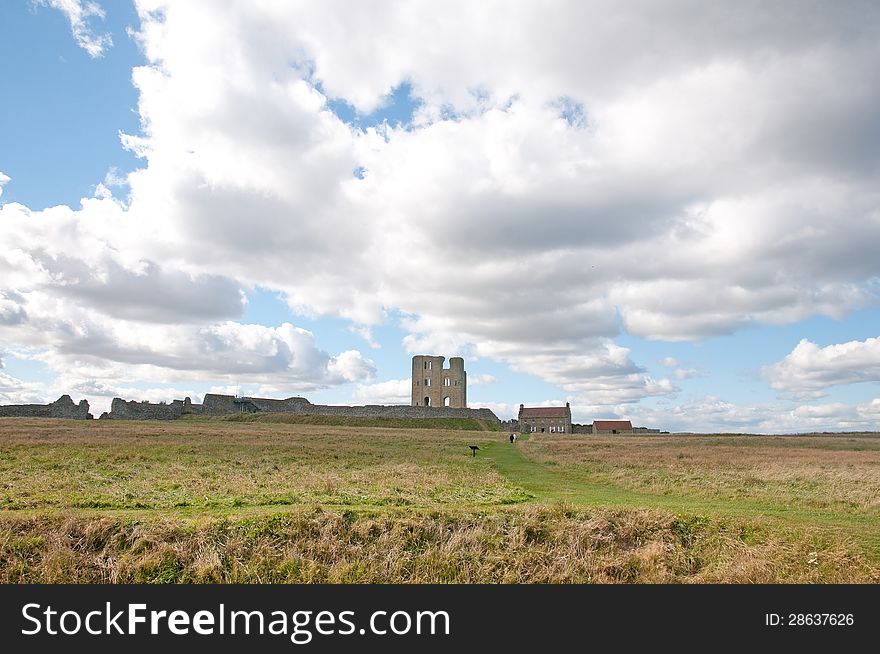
(545, 419)
(612, 427)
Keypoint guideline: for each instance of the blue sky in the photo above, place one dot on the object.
(63, 112)
(386, 198)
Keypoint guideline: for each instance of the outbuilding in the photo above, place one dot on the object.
(612, 427)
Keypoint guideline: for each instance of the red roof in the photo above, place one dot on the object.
(544, 412)
(612, 424)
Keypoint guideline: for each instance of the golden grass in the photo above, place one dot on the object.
(189, 501)
(838, 472)
(523, 545)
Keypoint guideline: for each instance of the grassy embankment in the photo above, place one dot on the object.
(252, 501)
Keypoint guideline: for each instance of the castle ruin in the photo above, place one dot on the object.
(227, 405)
(63, 407)
(436, 386)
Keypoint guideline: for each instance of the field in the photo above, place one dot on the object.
(258, 501)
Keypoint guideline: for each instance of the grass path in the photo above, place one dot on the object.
(549, 486)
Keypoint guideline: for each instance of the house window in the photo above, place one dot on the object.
(427, 382)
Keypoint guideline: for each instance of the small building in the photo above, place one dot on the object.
(612, 427)
(545, 419)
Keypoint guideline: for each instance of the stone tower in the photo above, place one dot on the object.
(434, 385)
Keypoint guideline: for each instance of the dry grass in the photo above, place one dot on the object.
(189, 501)
(836, 472)
(523, 545)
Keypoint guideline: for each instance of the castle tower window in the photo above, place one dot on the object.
(427, 382)
(446, 381)
(446, 401)
(427, 401)
(428, 365)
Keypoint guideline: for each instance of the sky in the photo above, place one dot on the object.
(662, 212)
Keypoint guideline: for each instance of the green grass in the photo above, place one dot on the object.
(550, 485)
(456, 424)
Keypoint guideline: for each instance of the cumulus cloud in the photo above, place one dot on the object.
(661, 171)
(686, 373)
(501, 192)
(365, 333)
(4, 179)
(96, 347)
(16, 391)
(81, 14)
(393, 391)
(808, 370)
(714, 415)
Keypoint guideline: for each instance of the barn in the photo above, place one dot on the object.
(612, 427)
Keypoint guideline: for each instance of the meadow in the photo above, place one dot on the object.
(287, 501)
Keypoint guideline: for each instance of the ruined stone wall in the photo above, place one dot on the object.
(225, 405)
(133, 410)
(221, 405)
(399, 411)
(63, 407)
(228, 405)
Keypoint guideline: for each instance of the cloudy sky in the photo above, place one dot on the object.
(668, 212)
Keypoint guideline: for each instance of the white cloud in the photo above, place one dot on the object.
(656, 181)
(669, 362)
(4, 179)
(80, 14)
(715, 147)
(713, 415)
(349, 366)
(686, 373)
(808, 370)
(365, 333)
(393, 391)
(16, 391)
(476, 380)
